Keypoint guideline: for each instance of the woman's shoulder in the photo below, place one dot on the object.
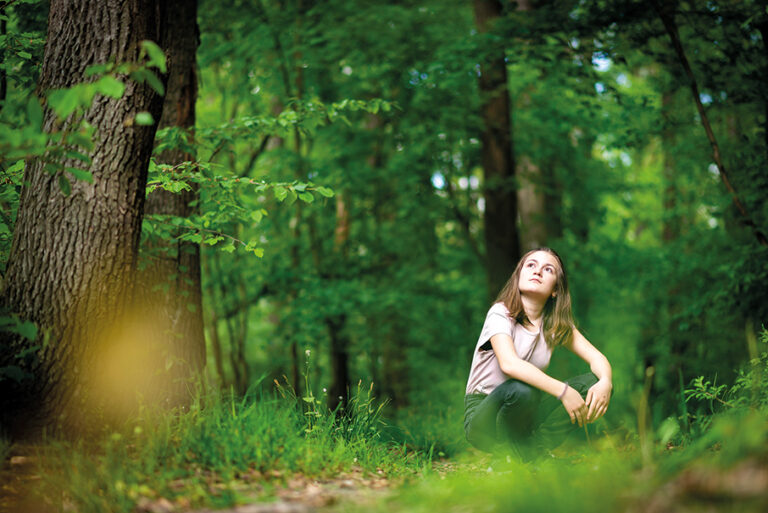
(499, 309)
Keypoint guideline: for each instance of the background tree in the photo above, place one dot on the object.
(170, 277)
(70, 268)
(502, 244)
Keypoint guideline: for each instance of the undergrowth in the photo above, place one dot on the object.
(225, 450)
(208, 454)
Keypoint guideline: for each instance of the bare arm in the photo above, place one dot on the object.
(515, 367)
(599, 395)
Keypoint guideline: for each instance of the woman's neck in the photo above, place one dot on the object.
(533, 310)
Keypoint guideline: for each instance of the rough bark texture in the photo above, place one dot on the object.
(171, 275)
(500, 216)
(73, 257)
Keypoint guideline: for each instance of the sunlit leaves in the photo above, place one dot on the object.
(144, 118)
(110, 86)
(224, 206)
(155, 56)
(302, 116)
(142, 75)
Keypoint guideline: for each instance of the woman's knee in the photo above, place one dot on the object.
(583, 383)
(516, 392)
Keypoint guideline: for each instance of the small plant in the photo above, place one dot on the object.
(749, 389)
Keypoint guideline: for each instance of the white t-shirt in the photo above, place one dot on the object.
(485, 374)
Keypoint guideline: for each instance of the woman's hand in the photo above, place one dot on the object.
(598, 397)
(575, 406)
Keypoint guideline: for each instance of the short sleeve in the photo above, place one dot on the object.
(497, 321)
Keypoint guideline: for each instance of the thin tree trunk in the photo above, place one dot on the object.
(339, 355)
(671, 224)
(73, 257)
(667, 16)
(213, 332)
(171, 278)
(531, 205)
(500, 216)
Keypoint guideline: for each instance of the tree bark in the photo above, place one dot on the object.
(171, 277)
(532, 205)
(500, 215)
(670, 230)
(73, 257)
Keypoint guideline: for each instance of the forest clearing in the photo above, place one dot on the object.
(247, 248)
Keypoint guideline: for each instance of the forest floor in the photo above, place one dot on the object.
(740, 487)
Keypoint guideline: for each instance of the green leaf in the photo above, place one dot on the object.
(64, 185)
(18, 166)
(145, 75)
(80, 174)
(35, 112)
(155, 83)
(280, 193)
(144, 118)
(229, 248)
(26, 329)
(13, 372)
(325, 191)
(72, 154)
(27, 351)
(63, 102)
(96, 69)
(155, 54)
(306, 197)
(213, 240)
(25, 55)
(110, 86)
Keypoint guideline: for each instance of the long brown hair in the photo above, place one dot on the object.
(557, 316)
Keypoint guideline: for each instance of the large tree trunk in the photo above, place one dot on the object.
(171, 274)
(500, 216)
(73, 256)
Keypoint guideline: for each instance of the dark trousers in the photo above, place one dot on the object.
(517, 414)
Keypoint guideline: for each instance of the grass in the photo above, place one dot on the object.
(208, 455)
(225, 451)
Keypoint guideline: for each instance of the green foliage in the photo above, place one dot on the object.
(222, 200)
(749, 391)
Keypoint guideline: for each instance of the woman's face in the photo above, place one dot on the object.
(538, 276)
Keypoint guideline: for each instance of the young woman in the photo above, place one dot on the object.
(509, 397)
